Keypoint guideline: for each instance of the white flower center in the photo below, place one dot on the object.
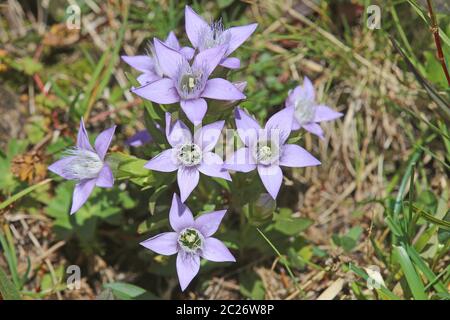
(84, 164)
(190, 240)
(190, 82)
(266, 152)
(304, 111)
(189, 154)
(214, 35)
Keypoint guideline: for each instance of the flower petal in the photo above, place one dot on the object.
(325, 113)
(147, 77)
(164, 243)
(280, 124)
(194, 109)
(163, 162)
(209, 59)
(239, 35)
(194, 25)
(172, 41)
(139, 139)
(141, 63)
(188, 265)
(187, 178)
(247, 127)
(177, 132)
(81, 193)
(105, 177)
(221, 89)
(180, 217)
(308, 89)
(241, 161)
(59, 166)
(295, 124)
(159, 91)
(103, 141)
(271, 177)
(208, 223)
(207, 137)
(187, 52)
(212, 165)
(231, 63)
(215, 250)
(169, 59)
(82, 138)
(295, 156)
(314, 128)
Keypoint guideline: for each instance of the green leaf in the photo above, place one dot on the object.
(288, 225)
(127, 291)
(7, 288)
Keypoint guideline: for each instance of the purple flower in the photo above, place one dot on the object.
(149, 65)
(307, 112)
(189, 84)
(191, 240)
(86, 165)
(190, 155)
(204, 36)
(266, 149)
(139, 139)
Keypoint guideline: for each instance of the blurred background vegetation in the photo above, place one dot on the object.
(378, 207)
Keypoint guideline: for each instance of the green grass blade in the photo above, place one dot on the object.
(7, 288)
(22, 193)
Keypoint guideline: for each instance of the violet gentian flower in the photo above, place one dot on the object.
(308, 113)
(86, 165)
(204, 36)
(190, 155)
(149, 65)
(266, 149)
(191, 239)
(189, 84)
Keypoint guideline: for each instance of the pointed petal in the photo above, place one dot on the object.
(81, 193)
(169, 59)
(164, 243)
(247, 127)
(239, 35)
(308, 89)
(177, 132)
(231, 63)
(209, 59)
(105, 177)
(59, 166)
(241, 161)
(82, 138)
(180, 217)
(141, 63)
(208, 223)
(103, 141)
(314, 128)
(147, 77)
(212, 165)
(325, 113)
(194, 25)
(163, 162)
(271, 177)
(160, 91)
(215, 250)
(295, 156)
(172, 41)
(221, 89)
(187, 181)
(280, 124)
(207, 137)
(187, 52)
(194, 109)
(139, 139)
(295, 124)
(188, 266)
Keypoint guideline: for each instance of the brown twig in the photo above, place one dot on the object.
(437, 40)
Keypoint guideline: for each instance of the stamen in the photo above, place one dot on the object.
(189, 154)
(190, 240)
(85, 164)
(214, 35)
(191, 82)
(265, 152)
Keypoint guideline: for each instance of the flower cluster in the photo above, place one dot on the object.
(189, 78)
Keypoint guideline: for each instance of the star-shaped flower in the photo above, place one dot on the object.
(86, 165)
(204, 36)
(190, 155)
(266, 149)
(307, 112)
(191, 240)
